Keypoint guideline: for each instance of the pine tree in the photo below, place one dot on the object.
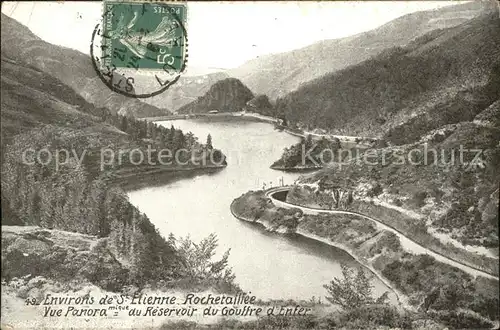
(179, 140)
(124, 125)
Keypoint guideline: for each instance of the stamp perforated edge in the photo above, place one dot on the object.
(151, 71)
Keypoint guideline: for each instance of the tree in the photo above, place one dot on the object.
(198, 259)
(375, 190)
(209, 142)
(168, 137)
(354, 290)
(381, 143)
(153, 130)
(190, 139)
(179, 140)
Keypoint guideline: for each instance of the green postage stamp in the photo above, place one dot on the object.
(144, 35)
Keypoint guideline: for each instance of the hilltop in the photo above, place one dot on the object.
(443, 77)
(278, 74)
(71, 67)
(226, 95)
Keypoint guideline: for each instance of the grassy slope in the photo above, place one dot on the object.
(453, 199)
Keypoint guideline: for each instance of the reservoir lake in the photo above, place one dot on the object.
(270, 265)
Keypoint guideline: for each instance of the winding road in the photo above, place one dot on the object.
(407, 243)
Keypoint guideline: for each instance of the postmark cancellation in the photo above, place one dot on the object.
(138, 39)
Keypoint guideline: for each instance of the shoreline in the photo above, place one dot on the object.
(296, 169)
(153, 176)
(264, 119)
(400, 297)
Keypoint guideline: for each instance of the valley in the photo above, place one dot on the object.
(385, 188)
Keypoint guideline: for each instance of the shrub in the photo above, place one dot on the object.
(384, 315)
(375, 190)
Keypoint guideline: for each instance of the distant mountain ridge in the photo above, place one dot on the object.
(226, 95)
(439, 77)
(278, 74)
(78, 195)
(70, 66)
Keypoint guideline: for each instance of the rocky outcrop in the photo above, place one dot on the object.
(490, 116)
(228, 95)
(255, 207)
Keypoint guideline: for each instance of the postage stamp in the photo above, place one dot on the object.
(144, 35)
(142, 46)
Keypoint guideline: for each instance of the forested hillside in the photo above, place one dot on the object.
(71, 67)
(433, 176)
(279, 74)
(226, 95)
(440, 93)
(261, 104)
(443, 77)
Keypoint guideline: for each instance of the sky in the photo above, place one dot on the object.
(224, 35)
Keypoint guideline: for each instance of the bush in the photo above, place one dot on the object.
(353, 291)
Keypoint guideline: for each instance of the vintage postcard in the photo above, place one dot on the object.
(250, 165)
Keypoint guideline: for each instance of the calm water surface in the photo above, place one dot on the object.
(269, 265)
